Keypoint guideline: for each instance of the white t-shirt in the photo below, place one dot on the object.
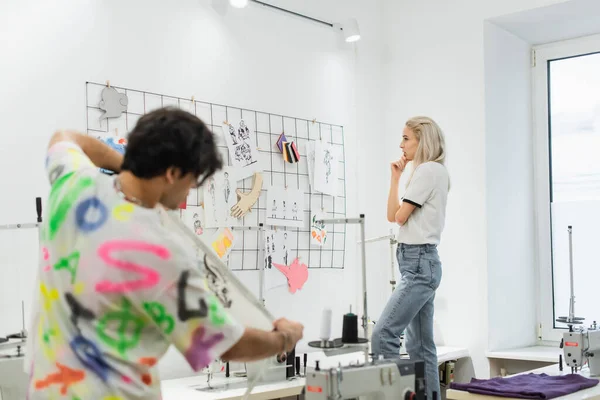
(116, 289)
(428, 191)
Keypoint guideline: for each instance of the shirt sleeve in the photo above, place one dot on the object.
(420, 186)
(193, 319)
(63, 158)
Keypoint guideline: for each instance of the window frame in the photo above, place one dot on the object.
(542, 56)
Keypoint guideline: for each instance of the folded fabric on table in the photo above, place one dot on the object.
(528, 386)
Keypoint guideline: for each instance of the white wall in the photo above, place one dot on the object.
(434, 65)
(509, 190)
(254, 58)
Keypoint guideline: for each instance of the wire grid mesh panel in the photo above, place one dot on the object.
(266, 127)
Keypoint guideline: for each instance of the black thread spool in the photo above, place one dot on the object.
(350, 328)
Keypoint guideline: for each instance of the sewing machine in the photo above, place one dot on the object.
(580, 345)
(13, 380)
(378, 380)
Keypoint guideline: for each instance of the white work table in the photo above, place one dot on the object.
(532, 353)
(234, 388)
(227, 389)
(591, 393)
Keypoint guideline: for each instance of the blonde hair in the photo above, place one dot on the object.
(432, 145)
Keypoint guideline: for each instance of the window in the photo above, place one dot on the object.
(567, 174)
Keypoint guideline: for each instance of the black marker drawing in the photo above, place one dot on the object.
(295, 211)
(232, 134)
(274, 209)
(217, 284)
(183, 312)
(243, 131)
(242, 147)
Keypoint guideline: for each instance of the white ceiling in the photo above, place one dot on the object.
(568, 20)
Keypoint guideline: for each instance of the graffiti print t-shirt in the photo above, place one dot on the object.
(115, 290)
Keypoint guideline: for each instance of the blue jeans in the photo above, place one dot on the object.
(411, 308)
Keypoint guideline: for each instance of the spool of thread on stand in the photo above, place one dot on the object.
(350, 328)
(325, 326)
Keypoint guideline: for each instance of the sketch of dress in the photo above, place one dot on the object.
(274, 210)
(227, 188)
(295, 211)
(327, 162)
(212, 191)
(284, 214)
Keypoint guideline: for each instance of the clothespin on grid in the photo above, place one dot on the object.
(107, 83)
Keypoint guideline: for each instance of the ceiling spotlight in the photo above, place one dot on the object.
(238, 3)
(350, 30)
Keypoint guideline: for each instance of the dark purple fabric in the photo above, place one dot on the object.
(528, 386)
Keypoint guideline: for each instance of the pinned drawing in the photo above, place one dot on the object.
(113, 103)
(242, 148)
(296, 274)
(276, 252)
(310, 162)
(117, 143)
(223, 242)
(247, 200)
(326, 168)
(220, 199)
(193, 217)
(226, 187)
(286, 207)
(274, 209)
(318, 233)
(212, 195)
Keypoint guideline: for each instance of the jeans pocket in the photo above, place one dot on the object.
(436, 273)
(411, 265)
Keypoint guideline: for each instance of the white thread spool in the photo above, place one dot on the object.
(326, 325)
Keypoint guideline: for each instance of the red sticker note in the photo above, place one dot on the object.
(296, 274)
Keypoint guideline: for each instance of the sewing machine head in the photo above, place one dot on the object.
(379, 380)
(13, 380)
(580, 345)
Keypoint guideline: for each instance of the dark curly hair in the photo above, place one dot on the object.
(170, 137)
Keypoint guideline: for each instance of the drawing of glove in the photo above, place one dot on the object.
(247, 200)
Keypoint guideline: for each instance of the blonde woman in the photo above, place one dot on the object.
(420, 214)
